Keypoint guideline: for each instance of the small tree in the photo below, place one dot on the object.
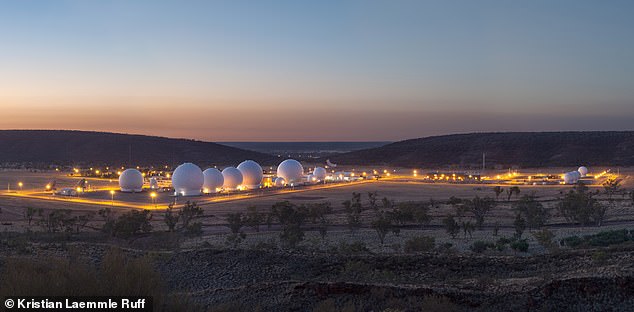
(353, 209)
(372, 200)
(520, 225)
(467, 228)
(480, 207)
(534, 212)
(170, 218)
(254, 218)
(235, 222)
(512, 190)
(291, 218)
(190, 211)
(451, 226)
(498, 190)
(132, 223)
(382, 225)
(580, 206)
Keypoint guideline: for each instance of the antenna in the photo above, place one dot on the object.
(483, 161)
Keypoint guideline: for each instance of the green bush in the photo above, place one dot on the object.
(420, 244)
(520, 245)
(601, 239)
(481, 246)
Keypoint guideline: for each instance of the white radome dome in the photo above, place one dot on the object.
(583, 171)
(279, 182)
(252, 174)
(232, 178)
(320, 173)
(213, 180)
(311, 178)
(131, 181)
(187, 180)
(572, 177)
(291, 170)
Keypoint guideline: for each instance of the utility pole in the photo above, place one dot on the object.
(483, 161)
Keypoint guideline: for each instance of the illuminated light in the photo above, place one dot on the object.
(79, 190)
(153, 195)
(48, 186)
(111, 192)
(168, 175)
(97, 171)
(498, 177)
(56, 169)
(205, 190)
(20, 184)
(76, 170)
(470, 176)
(143, 174)
(388, 174)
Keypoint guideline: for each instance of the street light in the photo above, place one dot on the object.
(153, 195)
(112, 197)
(20, 184)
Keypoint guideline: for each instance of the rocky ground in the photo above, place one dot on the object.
(272, 279)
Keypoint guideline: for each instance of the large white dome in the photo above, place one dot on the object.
(572, 177)
(187, 180)
(320, 173)
(291, 170)
(583, 171)
(233, 178)
(252, 174)
(213, 180)
(131, 180)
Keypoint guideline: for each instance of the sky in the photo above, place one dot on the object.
(316, 70)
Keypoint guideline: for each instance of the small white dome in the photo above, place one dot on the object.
(232, 178)
(583, 171)
(311, 178)
(131, 181)
(320, 173)
(252, 174)
(187, 180)
(213, 180)
(291, 170)
(280, 182)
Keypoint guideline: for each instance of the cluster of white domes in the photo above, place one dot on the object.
(131, 181)
(252, 174)
(188, 180)
(213, 180)
(291, 170)
(573, 177)
(232, 178)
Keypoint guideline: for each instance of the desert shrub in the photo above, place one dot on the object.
(520, 245)
(451, 226)
(419, 244)
(535, 214)
(599, 256)
(572, 241)
(352, 248)
(601, 239)
(132, 222)
(580, 206)
(118, 275)
(481, 246)
(502, 243)
(545, 238)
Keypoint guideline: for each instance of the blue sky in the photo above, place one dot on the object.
(278, 70)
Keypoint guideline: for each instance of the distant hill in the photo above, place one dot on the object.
(304, 148)
(83, 147)
(523, 149)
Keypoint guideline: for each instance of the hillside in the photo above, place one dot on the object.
(77, 147)
(523, 149)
